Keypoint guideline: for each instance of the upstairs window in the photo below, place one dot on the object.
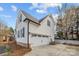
(48, 22)
(20, 17)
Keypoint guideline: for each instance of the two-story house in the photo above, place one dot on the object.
(33, 32)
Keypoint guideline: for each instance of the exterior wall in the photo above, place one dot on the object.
(53, 28)
(43, 28)
(19, 27)
(39, 29)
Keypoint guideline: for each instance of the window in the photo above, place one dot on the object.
(20, 17)
(34, 35)
(23, 32)
(48, 22)
(18, 34)
(39, 35)
(45, 36)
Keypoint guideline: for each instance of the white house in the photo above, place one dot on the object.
(33, 32)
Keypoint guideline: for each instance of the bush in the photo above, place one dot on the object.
(60, 34)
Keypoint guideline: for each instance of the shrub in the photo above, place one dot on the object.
(60, 34)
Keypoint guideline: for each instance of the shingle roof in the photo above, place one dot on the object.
(31, 18)
(42, 19)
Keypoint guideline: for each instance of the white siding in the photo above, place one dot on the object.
(43, 28)
(19, 27)
(38, 41)
(40, 29)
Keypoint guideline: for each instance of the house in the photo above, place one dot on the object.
(33, 32)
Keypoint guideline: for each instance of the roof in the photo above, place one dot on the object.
(42, 19)
(31, 18)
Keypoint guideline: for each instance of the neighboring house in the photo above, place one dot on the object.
(35, 32)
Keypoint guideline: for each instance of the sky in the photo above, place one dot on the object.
(8, 11)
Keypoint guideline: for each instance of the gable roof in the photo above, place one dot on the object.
(31, 18)
(50, 15)
(42, 19)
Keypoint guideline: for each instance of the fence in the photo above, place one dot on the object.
(71, 42)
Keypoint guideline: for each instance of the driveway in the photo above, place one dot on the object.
(54, 50)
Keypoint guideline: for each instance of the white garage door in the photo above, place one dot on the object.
(37, 40)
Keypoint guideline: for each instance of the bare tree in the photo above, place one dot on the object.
(60, 12)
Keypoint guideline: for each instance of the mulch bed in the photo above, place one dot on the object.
(19, 51)
(15, 50)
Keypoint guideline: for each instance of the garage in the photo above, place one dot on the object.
(37, 39)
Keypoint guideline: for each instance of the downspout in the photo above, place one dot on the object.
(28, 46)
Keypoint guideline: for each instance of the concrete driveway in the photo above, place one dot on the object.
(54, 50)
